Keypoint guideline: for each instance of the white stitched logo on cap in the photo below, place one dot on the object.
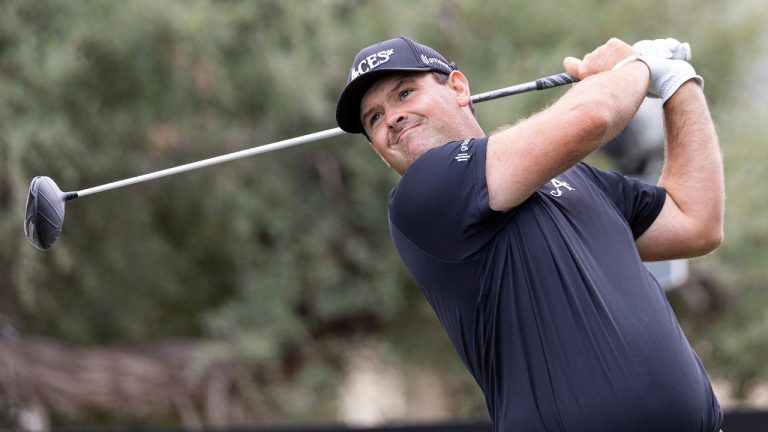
(429, 60)
(371, 62)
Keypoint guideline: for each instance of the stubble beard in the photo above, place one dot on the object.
(414, 145)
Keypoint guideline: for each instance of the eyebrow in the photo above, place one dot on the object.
(398, 84)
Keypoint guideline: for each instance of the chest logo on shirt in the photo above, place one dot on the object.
(463, 156)
(557, 184)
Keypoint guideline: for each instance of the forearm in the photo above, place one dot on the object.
(616, 95)
(693, 171)
(589, 115)
(612, 87)
(522, 158)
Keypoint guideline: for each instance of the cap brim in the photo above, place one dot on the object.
(348, 106)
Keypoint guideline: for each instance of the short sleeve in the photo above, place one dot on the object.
(441, 203)
(639, 202)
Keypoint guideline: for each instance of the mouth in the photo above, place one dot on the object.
(403, 133)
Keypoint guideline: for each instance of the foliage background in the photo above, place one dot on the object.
(285, 258)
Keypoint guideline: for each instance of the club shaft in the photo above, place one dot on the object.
(539, 84)
(317, 136)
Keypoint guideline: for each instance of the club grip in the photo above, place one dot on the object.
(555, 80)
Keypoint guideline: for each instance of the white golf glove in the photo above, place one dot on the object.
(668, 61)
(668, 75)
(669, 48)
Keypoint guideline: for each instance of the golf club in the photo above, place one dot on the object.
(46, 203)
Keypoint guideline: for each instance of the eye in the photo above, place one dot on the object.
(405, 93)
(374, 118)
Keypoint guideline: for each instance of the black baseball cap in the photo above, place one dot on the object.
(394, 55)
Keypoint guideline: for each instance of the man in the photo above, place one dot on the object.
(531, 259)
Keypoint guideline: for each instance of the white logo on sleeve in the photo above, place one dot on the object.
(557, 184)
(463, 156)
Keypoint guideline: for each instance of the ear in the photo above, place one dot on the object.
(458, 82)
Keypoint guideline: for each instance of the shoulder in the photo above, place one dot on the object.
(456, 162)
(440, 204)
(602, 179)
(454, 154)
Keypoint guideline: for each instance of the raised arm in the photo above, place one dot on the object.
(691, 221)
(522, 158)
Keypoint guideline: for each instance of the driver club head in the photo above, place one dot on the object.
(45, 212)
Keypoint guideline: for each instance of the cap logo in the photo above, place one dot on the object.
(371, 62)
(429, 60)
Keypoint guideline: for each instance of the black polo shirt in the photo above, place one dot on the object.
(548, 304)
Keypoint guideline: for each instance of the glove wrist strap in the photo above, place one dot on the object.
(630, 59)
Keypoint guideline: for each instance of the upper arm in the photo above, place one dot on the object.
(674, 235)
(440, 204)
(691, 222)
(522, 158)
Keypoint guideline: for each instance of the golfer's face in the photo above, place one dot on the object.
(405, 115)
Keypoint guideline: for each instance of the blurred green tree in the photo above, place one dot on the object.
(286, 257)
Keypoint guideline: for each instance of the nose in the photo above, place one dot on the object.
(395, 118)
